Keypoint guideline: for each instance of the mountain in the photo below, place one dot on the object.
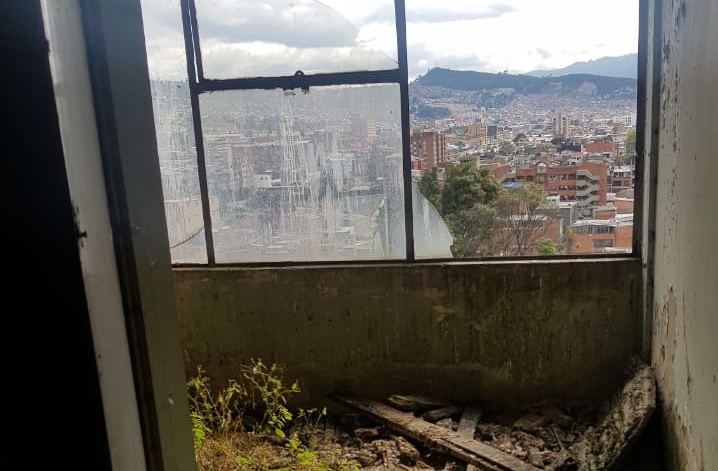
(619, 66)
(584, 85)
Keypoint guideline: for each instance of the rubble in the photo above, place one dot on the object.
(543, 438)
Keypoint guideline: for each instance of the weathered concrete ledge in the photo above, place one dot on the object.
(513, 332)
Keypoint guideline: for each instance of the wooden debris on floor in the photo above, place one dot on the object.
(416, 402)
(441, 413)
(467, 427)
(436, 437)
(419, 432)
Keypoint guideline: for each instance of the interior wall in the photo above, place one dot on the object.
(685, 310)
(505, 332)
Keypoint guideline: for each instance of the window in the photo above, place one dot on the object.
(602, 243)
(332, 131)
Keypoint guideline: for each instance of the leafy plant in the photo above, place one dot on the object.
(211, 413)
(267, 389)
(222, 443)
(307, 458)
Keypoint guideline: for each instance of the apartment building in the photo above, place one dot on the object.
(429, 146)
(620, 178)
(585, 183)
(562, 126)
(602, 235)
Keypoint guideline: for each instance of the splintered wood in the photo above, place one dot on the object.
(434, 436)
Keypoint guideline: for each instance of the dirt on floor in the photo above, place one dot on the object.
(403, 433)
(543, 436)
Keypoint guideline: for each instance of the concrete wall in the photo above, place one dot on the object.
(508, 332)
(685, 311)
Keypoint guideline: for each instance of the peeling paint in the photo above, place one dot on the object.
(685, 295)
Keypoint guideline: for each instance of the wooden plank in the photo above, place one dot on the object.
(467, 427)
(416, 402)
(438, 414)
(468, 450)
(469, 419)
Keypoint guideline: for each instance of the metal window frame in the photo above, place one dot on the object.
(199, 84)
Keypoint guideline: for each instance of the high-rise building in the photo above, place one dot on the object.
(429, 146)
(562, 126)
(478, 131)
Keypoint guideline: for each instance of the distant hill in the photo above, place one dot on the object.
(619, 66)
(506, 84)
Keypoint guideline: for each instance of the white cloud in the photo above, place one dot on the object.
(300, 23)
(432, 13)
(518, 35)
(227, 60)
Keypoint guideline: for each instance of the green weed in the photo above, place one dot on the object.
(268, 391)
(223, 441)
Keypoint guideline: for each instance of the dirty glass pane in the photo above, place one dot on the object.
(174, 130)
(305, 176)
(246, 38)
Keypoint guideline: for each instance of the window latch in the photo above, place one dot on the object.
(303, 87)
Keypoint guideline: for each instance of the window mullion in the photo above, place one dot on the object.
(193, 69)
(192, 18)
(400, 15)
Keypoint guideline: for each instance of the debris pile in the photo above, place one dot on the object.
(419, 432)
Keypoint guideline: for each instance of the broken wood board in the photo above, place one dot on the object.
(626, 415)
(416, 402)
(467, 427)
(464, 448)
(437, 414)
(468, 421)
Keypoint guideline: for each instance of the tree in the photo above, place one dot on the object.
(429, 186)
(630, 144)
(487, 220)
(631, 141)
(474, 231)
(545, 246)
(541, 147)
(466, 200)
(566, 245)
(506, 148)
(523, 214)
(466, 185)
(424, 111)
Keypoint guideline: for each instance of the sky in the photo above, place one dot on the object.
(243, 38)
